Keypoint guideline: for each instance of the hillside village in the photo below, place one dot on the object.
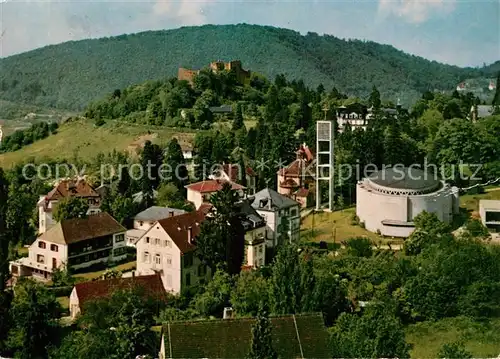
(278, 221)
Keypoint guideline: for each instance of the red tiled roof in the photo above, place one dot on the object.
(177, 229)
(302, 192)
(288, 183)
(305, 151)
(233, 172)
(89, 291)
(211, 186)
(71, 188)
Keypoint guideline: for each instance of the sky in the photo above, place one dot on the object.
(457, 32)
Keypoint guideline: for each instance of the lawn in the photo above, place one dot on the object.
(336, 227)
(81, 138)
(482, 340)
(125, 267)
(471, 201)
(64, 302)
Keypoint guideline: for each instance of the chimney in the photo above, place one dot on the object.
(228, 313)
(190, 235)
(171, 213)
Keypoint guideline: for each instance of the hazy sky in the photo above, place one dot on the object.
(451, 31)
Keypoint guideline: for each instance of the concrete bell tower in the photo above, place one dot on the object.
(325, 136)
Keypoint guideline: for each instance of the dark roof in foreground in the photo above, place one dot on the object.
(94, 290)
(231, 338)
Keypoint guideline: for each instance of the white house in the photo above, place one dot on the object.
(74, 243)
(200, 192)
(64, 189)
(167, 248)
(274, 208)
(145, 219)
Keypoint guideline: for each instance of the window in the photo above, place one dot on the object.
(147, 240)
(188, 279)
(146, 257)
(260, 248)
(169, 260)
(167, 243)
(41, 245)
(141, 223)
(157, 259)
(157, 241)
(261, 262)
(119, 238)
(40, 258)
(54, 248)
(293, 212)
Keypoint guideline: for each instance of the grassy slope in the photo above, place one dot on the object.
(482, 340)
(83, 139)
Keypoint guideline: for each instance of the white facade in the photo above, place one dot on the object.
(157, 252)
(44, 256)
(274, 221)
(391, 211)
(489, 210)
(255, 250)
(197, 198)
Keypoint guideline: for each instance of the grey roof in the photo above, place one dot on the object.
(404, 178)
(251, 218)
(269, 199)
(156, 213)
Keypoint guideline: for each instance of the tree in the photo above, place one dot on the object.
(378, 333)
(71, 207)
(359, 247)
(476, 229)
(222, 236)
(125, 182)
(151, 159)
(250, 293)
(496, 98)
(238, 119)
(285, 281)
(261, 346)
(4, 235)
(34, 315)
(216, 295)
(175, 162)
(374, 100)
(116, 327)
(170, 196)
(454, 350)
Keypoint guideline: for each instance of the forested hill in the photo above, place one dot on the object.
(71, 74)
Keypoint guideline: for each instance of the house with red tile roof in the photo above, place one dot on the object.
(200, 192)
(78, 187)
(86, 292)
(297, 179)
(234, 173)
(167, 249)
(75, 244)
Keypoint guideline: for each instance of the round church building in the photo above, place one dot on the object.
(389, 200)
